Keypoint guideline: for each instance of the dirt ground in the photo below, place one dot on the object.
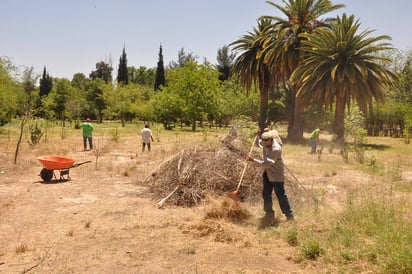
(104, 221)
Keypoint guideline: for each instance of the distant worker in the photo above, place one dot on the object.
(146, 137)
(233, 131)
(87, 133)
(314, 137)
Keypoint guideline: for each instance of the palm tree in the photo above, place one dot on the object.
(250, 67)
(340, 65)
(283, 52)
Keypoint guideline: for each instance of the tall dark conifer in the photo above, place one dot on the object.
(46, 84)
(160, 72)
(123, 73)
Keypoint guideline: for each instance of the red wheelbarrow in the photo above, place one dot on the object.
(62, 164)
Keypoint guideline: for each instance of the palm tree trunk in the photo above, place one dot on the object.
(263, 107)
(264, 87)
(295, 130)
(339, 123)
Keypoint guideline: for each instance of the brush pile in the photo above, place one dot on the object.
(200, 171)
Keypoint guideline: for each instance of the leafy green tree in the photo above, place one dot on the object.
(122, 72)
(29, 80)
(225, 61)
(284, 43)
(30, 99)
(340, 65)
(76, 105)
(141, 107)
(404, 84)
(250, 67)
(94, 91)
(160, 72)
(235, 103)
(194, 89)
(167, 107)
(103, 71)
(182, 59)
(142, 76)
(393, 119)
(125, 102)
(9, 91)
(56, 101)
(16, 97)
(79, 81)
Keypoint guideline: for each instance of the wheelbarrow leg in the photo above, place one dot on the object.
(64, 172)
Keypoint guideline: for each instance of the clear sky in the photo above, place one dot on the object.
(71, 36)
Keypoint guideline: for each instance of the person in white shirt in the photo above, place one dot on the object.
(146, 137)
(273, 177)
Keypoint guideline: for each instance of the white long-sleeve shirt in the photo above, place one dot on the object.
(272, 162)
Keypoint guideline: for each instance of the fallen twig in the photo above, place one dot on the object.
(34, 266)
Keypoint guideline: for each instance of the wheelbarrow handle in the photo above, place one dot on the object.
(79, 164)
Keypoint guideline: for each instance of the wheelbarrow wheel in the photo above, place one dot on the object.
(46, 174)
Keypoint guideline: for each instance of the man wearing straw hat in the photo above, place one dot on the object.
(273, 178)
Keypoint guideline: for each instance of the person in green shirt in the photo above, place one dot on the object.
(87, 133)
(314, 137)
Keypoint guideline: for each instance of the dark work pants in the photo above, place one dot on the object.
(280, 194)
(143, 146)
(85, 139)
(313, 146)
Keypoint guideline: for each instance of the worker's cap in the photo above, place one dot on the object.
(266, 138)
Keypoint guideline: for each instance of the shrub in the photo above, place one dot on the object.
(292, 237)
(35, 134)
(311, 250)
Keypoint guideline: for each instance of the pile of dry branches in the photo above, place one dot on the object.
(196, 172)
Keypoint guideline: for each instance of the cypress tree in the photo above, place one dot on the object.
(46, 84)
(160, 72)
(122, 73)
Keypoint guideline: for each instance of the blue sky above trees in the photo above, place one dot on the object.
(72, 36)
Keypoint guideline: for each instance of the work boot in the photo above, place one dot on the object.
(269, 216)
(268, 220)
(290, 218)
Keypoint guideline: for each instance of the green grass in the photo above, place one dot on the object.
(374, 230)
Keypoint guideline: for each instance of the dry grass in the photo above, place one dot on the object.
(22, 248)
(226, 208)
(336, 205)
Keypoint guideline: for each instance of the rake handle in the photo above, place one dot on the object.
(244, 169)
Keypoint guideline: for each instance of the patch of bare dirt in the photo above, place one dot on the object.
(104, 220)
